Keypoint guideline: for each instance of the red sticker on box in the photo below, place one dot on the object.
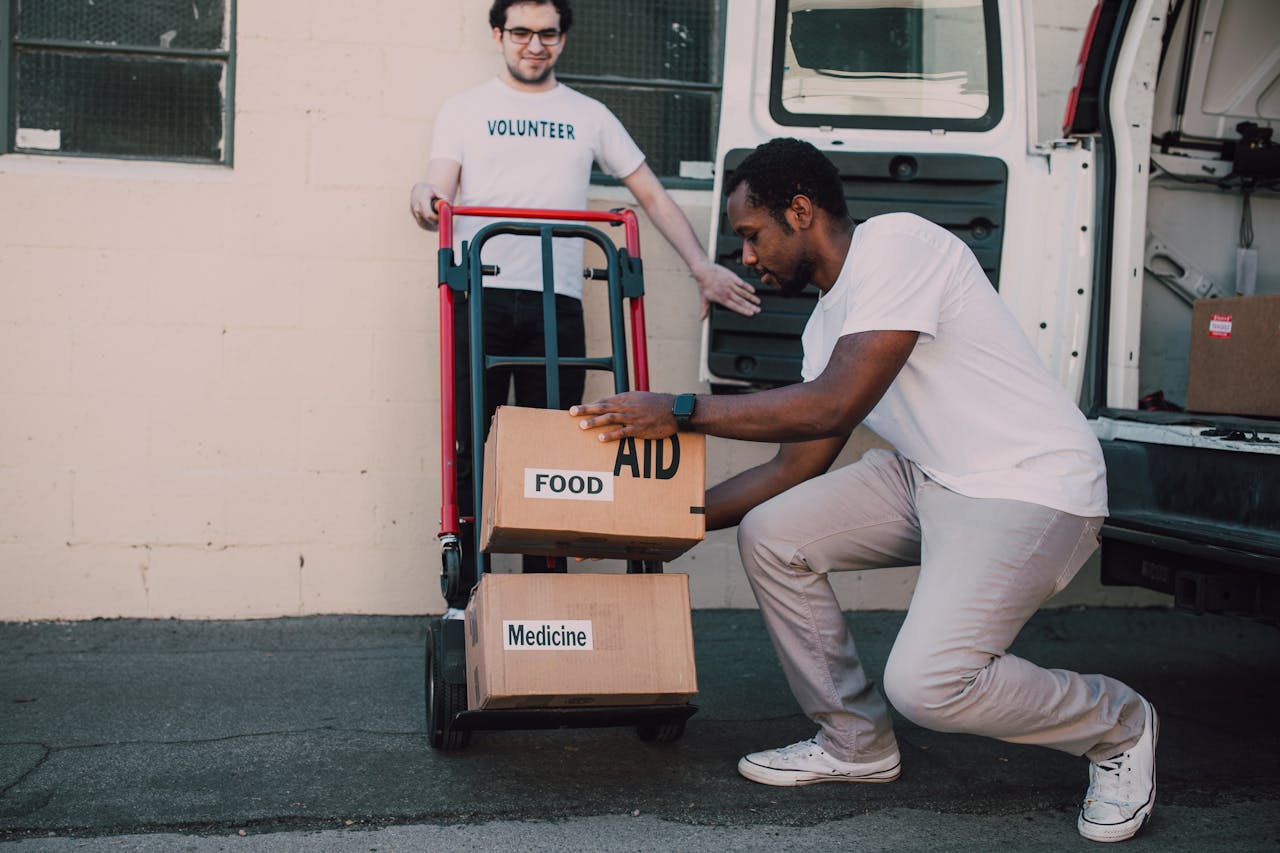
(1220, 326)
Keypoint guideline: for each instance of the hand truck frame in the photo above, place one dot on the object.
(449, 721)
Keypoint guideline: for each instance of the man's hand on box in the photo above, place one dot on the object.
(635, 414)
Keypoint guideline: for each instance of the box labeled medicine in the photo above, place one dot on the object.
(579, 640)
(555, 489)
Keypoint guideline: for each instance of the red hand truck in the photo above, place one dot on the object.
(449, 721)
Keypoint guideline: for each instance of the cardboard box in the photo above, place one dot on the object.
(569, 640)
(1235, 356)
(552, 488)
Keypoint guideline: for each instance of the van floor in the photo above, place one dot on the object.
(1240, 423)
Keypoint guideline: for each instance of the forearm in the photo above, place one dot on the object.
(729, 501)
(715, 283)
(675, 228)
(861, 368)
(796, 412)
(443, 176)
(794, 463)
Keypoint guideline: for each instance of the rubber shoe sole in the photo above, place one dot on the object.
(1124, 830)
(881, 771)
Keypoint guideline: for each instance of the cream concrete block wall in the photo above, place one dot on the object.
(218, 387)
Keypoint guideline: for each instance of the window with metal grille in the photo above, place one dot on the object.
(658, 67)
(149, 79)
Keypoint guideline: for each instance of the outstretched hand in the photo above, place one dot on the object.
(635, 414)
(720, 285)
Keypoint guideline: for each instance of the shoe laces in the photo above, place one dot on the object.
(1112, 780)
(804, 746)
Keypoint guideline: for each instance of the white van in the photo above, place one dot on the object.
(1105, 243)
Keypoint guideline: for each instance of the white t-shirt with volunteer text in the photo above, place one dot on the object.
(973, 406)
(529, 150)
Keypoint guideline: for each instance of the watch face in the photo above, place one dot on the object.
(682, 409)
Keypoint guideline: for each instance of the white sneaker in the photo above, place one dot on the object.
(1122, 790)
(806, 763)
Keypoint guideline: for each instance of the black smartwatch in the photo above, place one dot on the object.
(682, 409)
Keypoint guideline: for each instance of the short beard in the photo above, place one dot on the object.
(801, 279)
(531, 81)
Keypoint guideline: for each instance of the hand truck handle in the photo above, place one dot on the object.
(449, 517)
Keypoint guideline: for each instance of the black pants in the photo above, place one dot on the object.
(513, 325)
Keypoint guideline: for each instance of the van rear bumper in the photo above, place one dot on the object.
(1201, 525)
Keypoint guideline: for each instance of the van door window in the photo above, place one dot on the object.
(914, 64)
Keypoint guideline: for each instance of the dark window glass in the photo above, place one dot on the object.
(670, 127)
(123, 105)
(194, 24)
(657, 66)
(855, 63)
(122, 78)
(664, 40)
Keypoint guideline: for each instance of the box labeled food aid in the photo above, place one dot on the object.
(572, 640)
(1235, 356)
(555, 489)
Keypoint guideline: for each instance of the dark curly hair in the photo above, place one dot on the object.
(781, 169)
(498, 12)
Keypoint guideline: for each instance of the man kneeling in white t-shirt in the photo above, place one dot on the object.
(996, 489)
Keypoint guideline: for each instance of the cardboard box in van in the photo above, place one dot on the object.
(552, 488)
(1235, 356)
(569, 640)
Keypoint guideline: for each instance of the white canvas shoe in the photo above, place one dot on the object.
(1122, 789)
(806, 763)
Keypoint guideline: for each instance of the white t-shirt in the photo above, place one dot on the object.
(974, 406)
(529, 150)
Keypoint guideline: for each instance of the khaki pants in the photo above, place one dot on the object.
(985, 567)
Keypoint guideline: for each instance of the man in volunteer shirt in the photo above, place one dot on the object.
(526, 140)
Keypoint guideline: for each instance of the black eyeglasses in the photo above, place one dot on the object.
(524, 35)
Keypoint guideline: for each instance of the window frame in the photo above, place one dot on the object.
(714, 88)
(989, 120)
(9, 44)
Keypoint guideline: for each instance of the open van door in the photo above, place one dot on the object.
(1180, 100)
(925, 106)
(1100, 242)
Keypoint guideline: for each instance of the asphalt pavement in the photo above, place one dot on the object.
(308, 734)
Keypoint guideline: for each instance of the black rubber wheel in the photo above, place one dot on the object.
(443, 701)
(666, 731)
(450, 572)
